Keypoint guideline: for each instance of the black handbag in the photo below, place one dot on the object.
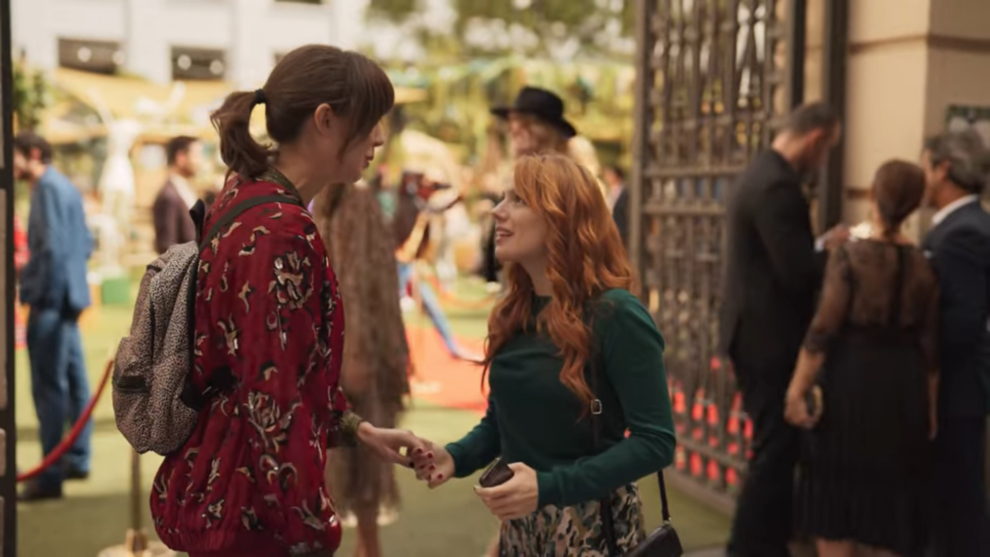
(662, 542)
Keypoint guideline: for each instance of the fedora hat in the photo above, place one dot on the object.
(542, 104)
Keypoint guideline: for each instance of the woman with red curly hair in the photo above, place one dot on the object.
(568, 340)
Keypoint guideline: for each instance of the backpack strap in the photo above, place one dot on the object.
(221, 379)
(236, 211)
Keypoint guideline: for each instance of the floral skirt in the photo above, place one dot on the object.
(576, 530)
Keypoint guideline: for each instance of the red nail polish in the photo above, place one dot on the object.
(439, 476)
(419, 451)
(429, 455)
(432, 467)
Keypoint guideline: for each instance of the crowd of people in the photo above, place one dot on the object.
(861, 360)
(874, 392)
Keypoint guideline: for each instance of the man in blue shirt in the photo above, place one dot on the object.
(54, 285)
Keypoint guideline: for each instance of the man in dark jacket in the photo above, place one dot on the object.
(173, 224)
(772, 275)
(54, 285)
(956, 168)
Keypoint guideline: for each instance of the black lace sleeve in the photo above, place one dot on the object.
(833, 305)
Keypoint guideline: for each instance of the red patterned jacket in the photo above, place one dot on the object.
(250, 479)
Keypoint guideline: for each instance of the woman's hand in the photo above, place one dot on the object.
(796, 410)
(515, 498)
(434, 465)
(389, 443)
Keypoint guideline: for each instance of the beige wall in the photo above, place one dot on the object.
(908, 61)
(814, 44)
(969, 19)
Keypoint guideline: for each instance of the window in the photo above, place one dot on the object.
(198, 63)
(104, 57)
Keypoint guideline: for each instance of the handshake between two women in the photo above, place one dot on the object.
(433, 464)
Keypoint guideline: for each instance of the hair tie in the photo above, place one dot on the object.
(259, 96)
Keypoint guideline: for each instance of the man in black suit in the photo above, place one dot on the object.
(773, 272)
(956, 168)
(620, 214)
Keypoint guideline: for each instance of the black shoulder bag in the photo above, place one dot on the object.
(662, 542)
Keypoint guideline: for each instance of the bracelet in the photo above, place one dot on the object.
(349, 424)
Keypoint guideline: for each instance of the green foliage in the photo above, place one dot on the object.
(395, 11)
(31, 95)
(552, 23)
(538, 28)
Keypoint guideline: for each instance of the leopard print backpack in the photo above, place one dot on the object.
(155, 405)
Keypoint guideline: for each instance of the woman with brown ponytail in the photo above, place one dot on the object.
(269, 323)
(873, 347)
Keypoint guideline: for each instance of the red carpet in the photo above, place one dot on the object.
(440, 378)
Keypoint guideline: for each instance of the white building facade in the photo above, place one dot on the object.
(164, 40)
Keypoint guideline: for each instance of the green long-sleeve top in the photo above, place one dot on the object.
(534, 419)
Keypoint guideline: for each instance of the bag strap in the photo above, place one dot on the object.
(223, 378)
(236, 211)
(605, 504)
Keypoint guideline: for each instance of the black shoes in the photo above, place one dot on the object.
(34, 492)
(76, 474)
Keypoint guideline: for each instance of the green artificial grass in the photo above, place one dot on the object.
(95, 514)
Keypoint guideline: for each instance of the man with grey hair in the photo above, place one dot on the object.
(956, 168)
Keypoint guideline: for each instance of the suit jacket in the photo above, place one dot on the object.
(59, 244)
(959, 249)
(173, 224)
(772, 270)
(620, 214)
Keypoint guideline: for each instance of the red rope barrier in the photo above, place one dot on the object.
(77, 428)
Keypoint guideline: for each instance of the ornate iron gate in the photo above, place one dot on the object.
(713, 77)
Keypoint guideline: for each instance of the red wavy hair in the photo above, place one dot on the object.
(585, 258)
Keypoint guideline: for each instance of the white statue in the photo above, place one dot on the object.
(116, 185)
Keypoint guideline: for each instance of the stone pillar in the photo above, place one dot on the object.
(903, 74)
(888, 75)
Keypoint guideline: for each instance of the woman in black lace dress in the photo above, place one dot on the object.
(872, 346)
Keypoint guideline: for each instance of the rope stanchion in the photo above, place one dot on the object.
(77, 428)
(136, 542)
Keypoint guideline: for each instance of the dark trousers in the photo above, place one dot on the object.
(762, 526)
(59, 386)
(960, 524)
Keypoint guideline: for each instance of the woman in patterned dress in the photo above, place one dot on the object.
(375, 370)
(567, 340)
(269, 319)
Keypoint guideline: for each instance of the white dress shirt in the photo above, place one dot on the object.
(186, 192)
(944, 212)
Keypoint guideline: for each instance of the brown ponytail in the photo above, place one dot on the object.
(239, 151)
(353, 85)
(898, 188)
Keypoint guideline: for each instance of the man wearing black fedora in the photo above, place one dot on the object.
(536, 125)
